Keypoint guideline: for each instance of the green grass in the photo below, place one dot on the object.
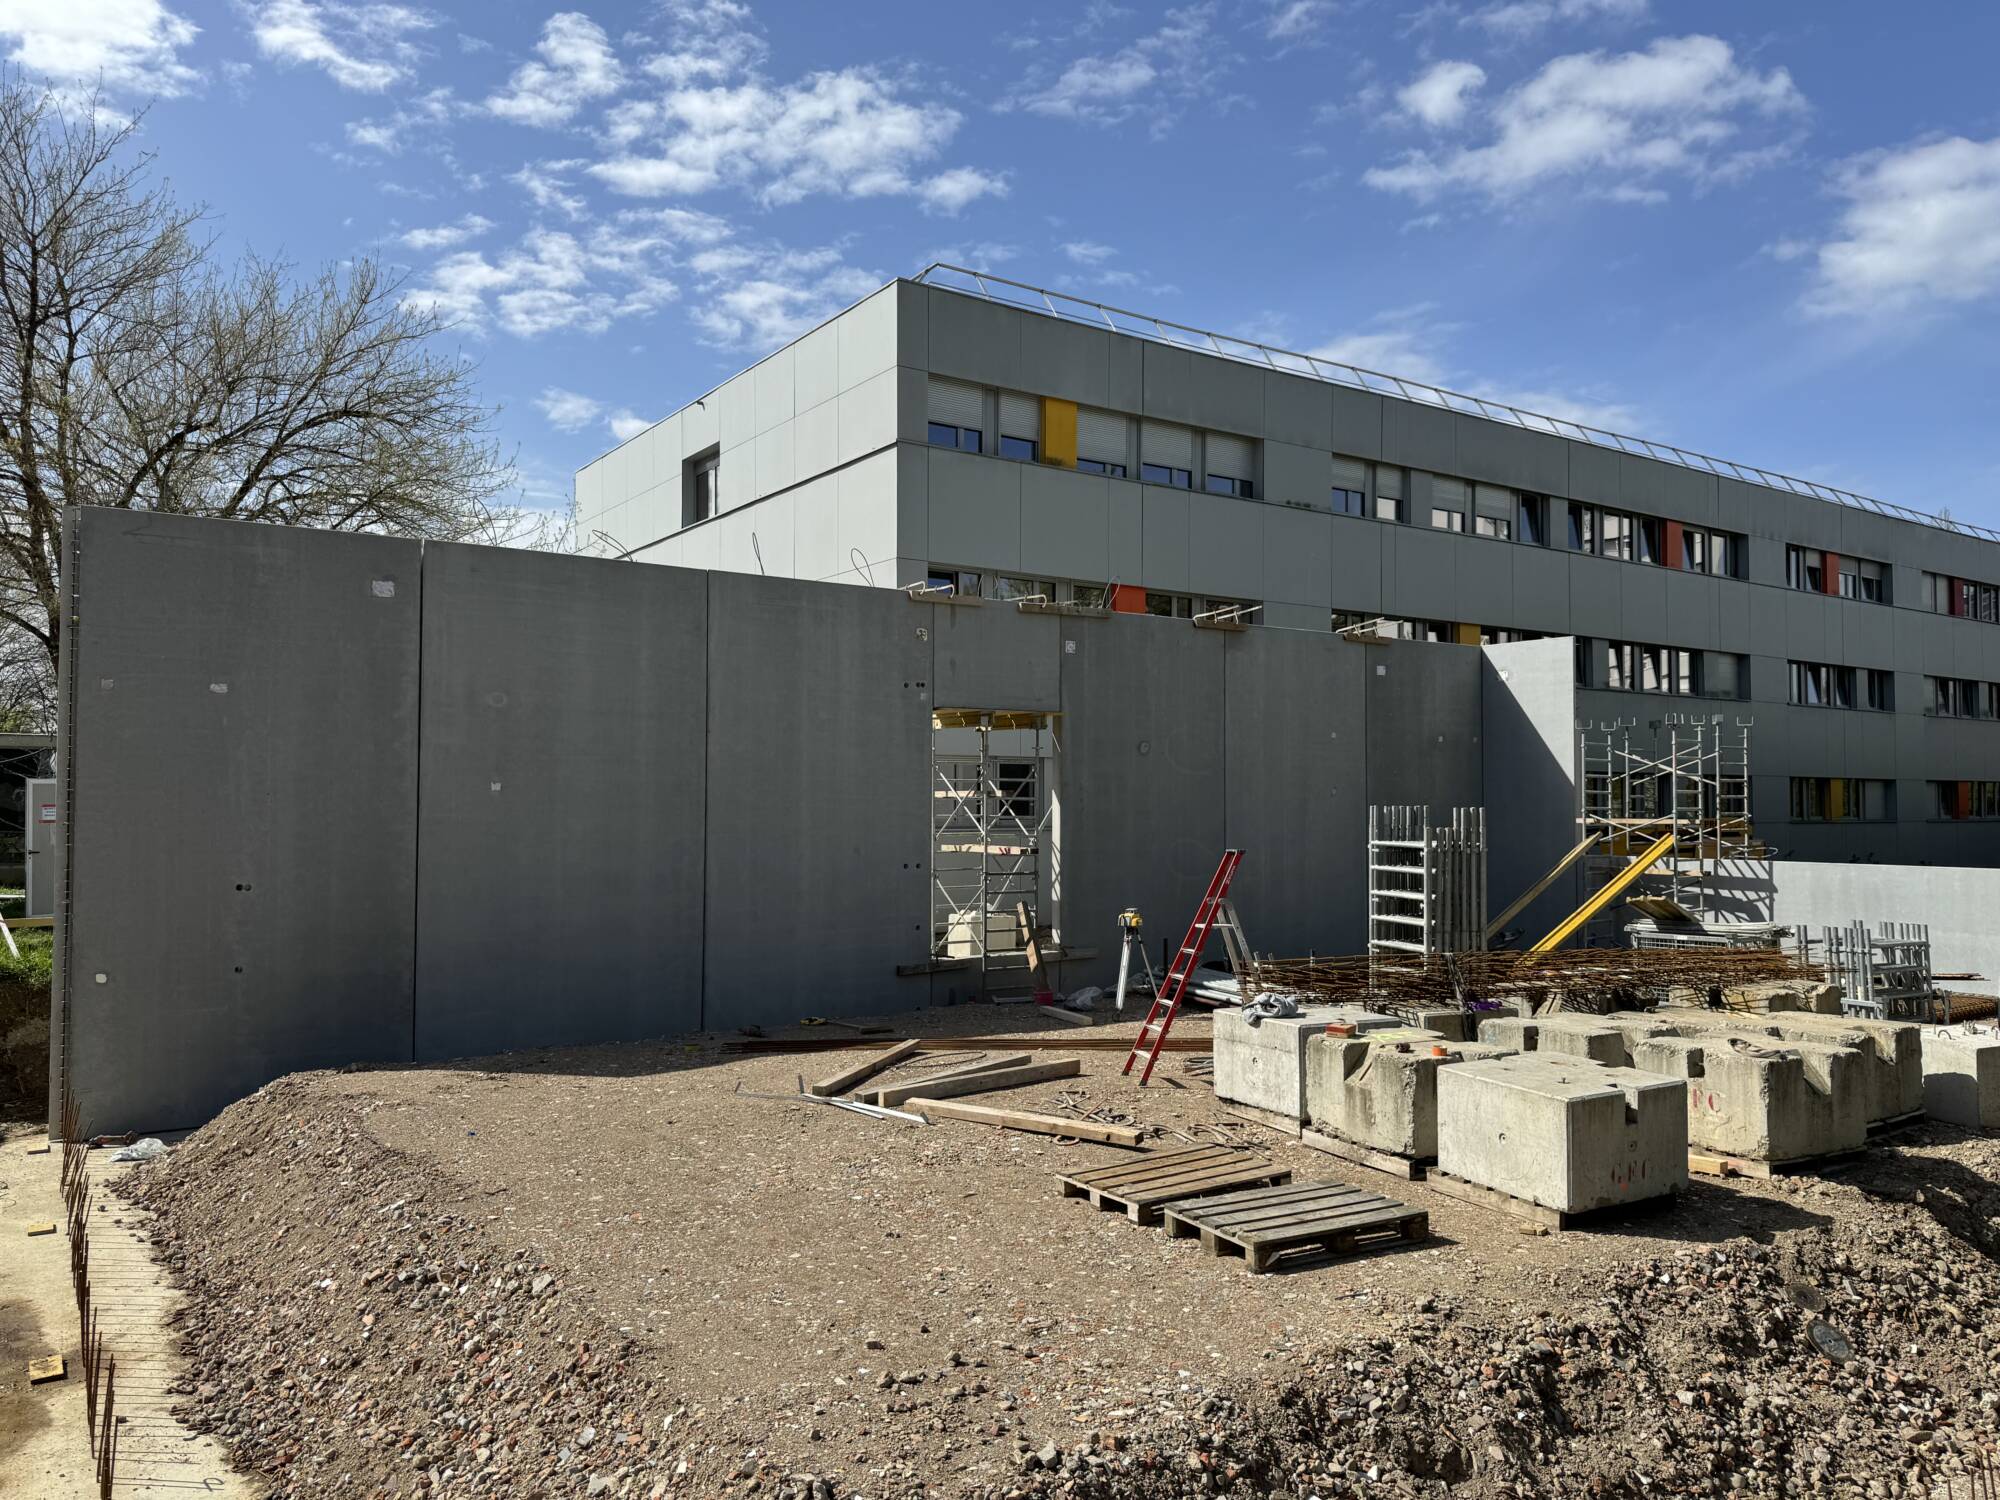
(33, 967)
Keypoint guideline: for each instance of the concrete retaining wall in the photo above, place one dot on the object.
(1957, 902)
(344, 799)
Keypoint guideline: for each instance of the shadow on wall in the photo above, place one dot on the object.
(1528, 718)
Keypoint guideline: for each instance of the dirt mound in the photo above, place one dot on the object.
(365, 1323)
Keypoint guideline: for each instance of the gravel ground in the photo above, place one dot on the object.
(604, 1272)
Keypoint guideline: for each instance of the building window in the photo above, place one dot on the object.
(1497, 526)
(1388, 493)
(1805, 568)
(944, 435)
(1615, 530)
(1955, 698)
(1694, 550)
(1224, 484)
(963, 583)
(1447, 520)
(1348, 502)
(1817, 685)
(1531, 520)
(1841, 799)
(1864, 580)
(1582, 527)
(1959, 800)
(1180, 479)
(703, 487)
(1170, 606)
(1090, 595)
(1650, 536)
(1025, 449)
(1100, 466)
(1880, 689)
(1006, 588)
(1583, 662)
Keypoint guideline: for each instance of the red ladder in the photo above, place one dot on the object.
(1167, 999)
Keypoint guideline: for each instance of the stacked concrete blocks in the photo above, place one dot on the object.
(1962, 1076)
(1260, 1062)
(1381, 1095)
(1892, 1074)
(1762, 1100)
(1565, 1134)
(1603, 1039)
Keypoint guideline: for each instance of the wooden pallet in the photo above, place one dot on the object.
(1407, 1168)
(1708, 1164)
(1538, 1213)
(1270, 1119)
(1264, 1223)
(1139, 1188)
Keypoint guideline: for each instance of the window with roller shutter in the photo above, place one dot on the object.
(1103, 442)
(1349, 489)
(1166, 454)
(1020, 426)
(957, 415)
(1231, 466)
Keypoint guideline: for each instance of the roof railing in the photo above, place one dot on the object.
(1074, 309)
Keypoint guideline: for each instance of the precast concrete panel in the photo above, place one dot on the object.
(1297, 563)
(1355, 580)
(1226, 546)
(561, 801)
(1357, 422)
(1484, 573)
(1298, 410)
(1424, 733)
(1593, 474)
(974, 340)
(992, 656)
(1164, 537)
(1142, 776)
(1066, 360)
(816, 367)
(975, 511)
(1541, 591)
(1691, 603)
(868, 343)
(1169, 388)
(1528, 714)
(1501, 453)
(1642, 602)
(1656, 488)
(1225, 395)
(1295, 746)
(1423, 437)
(1065, 523)
(819, 776)
(241, 745)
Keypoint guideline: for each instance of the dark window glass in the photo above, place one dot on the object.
(1528, 526)
(944, 435)
(1222, 484)
(1019, 447)
(972, 440)
(1161, 474)
(1348, 502)
(1099, 466)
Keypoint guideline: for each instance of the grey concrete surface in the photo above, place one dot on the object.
(1962, 1076)
(1565, 1133)
(1261, 1062)
(1768, 1101)
(1957, 904)
(1891, 1074)
(1381, 1094)
(240, 749)
(561, 803)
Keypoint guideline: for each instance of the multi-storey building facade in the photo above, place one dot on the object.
(1024, 445)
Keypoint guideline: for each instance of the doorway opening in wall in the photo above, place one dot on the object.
(995, 841)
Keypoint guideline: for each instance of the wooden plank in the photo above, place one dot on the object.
(1263, 1224)
(52, 1368)
(1492, 1198)
(1270, 1119)
(840, 1083)
(1139, 1189)
(1068, 1016)
(1104, 1039)
(1011, 1060)
(1157, 1164)
(1018, 1119)
(1364, 1156)
(980, 1083)
(36, 1229)
(1031, 946)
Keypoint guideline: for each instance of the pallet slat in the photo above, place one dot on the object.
(1326, 1216)
(1170, 1177)
(995, 1081)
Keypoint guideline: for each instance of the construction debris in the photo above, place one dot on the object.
(1020, 1119)
(840, 1083)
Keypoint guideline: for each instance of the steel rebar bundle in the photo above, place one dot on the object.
(1591, 979)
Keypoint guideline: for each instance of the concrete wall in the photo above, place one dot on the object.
(239, 756)
(339, 799)
(1959, 906)
(1528, 716)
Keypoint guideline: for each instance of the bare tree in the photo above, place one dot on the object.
(136, 372)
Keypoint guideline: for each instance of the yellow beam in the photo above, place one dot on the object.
(1521, 902)
(1058, 432)
(1604, 896)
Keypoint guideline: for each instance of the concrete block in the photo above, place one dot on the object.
(1962, 1076)
(1569, 1036)
(1892, 1054)
(1263, 1063)
(1766, 1100)
(1370, 1091)
(1567, 1134)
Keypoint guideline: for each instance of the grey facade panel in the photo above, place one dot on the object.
(1067, 361)
(1420, 437)
(563, 781)
(1501, 453)
(241, 755)
(1357, 422)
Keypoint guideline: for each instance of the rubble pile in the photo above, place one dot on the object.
(362, 1325)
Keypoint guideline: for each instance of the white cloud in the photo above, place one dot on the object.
(757, 298)
(1619, 122)
(626, 424)
(430, 111)
(1521, 19)
(1441, 95)
(981, 255)
(131, 45)
(1151, 77)
(1921, 230)
(712, 40)
(444, 236)
(361, 46)
(577, 67)
(1087, 252)
(1413, 342)
(552, 281)
(848, 134)
(949, 192)
(548, 188)
(568, 411)
(1295, 22)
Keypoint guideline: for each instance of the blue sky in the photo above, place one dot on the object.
(1769, 231)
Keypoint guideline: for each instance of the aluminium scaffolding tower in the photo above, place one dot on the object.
(1691, 781)
(1426, 885)
(990, 816)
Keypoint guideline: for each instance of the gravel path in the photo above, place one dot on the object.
(604, 1271)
